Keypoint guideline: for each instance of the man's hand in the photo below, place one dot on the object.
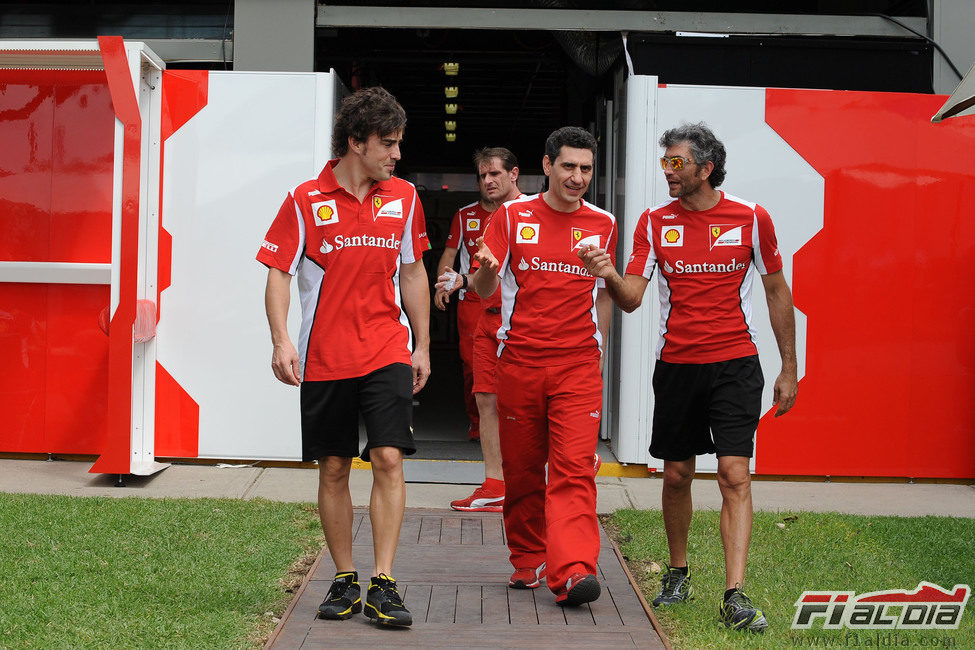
(448, 282)
(421, 369)
(786, 389)
(485, 258)
(285, 364)
(597, 261)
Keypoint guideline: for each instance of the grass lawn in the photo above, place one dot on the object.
(811, 552)
(147, 573)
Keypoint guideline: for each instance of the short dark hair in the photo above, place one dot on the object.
(508, 160)
(364, 112)
(705, 147)
(569, 136)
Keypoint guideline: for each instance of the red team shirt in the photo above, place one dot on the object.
(707, 261)
(468, 225)
(548, 298)
(347, 257)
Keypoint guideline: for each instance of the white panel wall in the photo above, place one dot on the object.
(637, 331)
(226, 173)
(761, 168)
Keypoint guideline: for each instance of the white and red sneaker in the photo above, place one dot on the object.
(489, 497)
(527, 578)
(580, 588)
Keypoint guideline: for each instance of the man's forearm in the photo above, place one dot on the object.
(485, 282)
(626, 291)
(416, 302)
(604, 314)
(447, 259)
(277, 300)
(783, 319)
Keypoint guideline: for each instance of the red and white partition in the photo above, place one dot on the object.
(869, 200)
(235, 144)
(76, 199)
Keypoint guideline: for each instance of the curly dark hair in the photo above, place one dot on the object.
(569, 136)
(705, 147)
(364, 112)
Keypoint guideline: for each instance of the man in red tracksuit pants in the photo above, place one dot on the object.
(555, 317)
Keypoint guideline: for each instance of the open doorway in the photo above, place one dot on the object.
(464, 90)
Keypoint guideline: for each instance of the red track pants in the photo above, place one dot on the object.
(550, 415)
(468, 313)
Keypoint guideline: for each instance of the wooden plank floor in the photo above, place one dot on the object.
(452, 570)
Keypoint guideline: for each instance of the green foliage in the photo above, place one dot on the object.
(792, 552)
(142, 573)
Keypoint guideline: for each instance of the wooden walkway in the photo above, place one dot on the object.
(452, 570)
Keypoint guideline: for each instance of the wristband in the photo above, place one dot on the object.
(464, 285)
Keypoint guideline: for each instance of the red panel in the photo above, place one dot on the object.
(177, 418)
(84, 143)
(54, 359)
(56, 129)
(77, 369)
(26, 133)
(56, 183)
(23, 342)
(184, 93)
(890, 358)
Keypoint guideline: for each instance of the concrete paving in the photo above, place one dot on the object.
(300, 485)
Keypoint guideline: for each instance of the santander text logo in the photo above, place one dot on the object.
(680, 266)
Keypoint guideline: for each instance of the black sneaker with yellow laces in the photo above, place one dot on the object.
(342, 600)
(383, 602)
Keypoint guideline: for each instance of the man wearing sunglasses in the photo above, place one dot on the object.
(707, 380)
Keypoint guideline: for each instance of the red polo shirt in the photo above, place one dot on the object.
(347, 257)
(707, 261)
(467, 226)
(548, 299)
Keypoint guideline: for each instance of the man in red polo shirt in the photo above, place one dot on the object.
(555, 317)
(707, 380)
(496, 185)
(497, 178)
(355, 237)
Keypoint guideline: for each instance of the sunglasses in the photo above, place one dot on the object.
(674, 162)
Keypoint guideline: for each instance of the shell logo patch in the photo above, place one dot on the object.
(582, 238)
(473, 224)
(325, 213)
(725, 235)
(672, 235)
(527, 233)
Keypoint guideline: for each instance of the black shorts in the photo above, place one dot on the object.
(706, 408)
(330, 413)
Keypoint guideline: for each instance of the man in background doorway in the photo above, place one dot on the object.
(497, 180)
